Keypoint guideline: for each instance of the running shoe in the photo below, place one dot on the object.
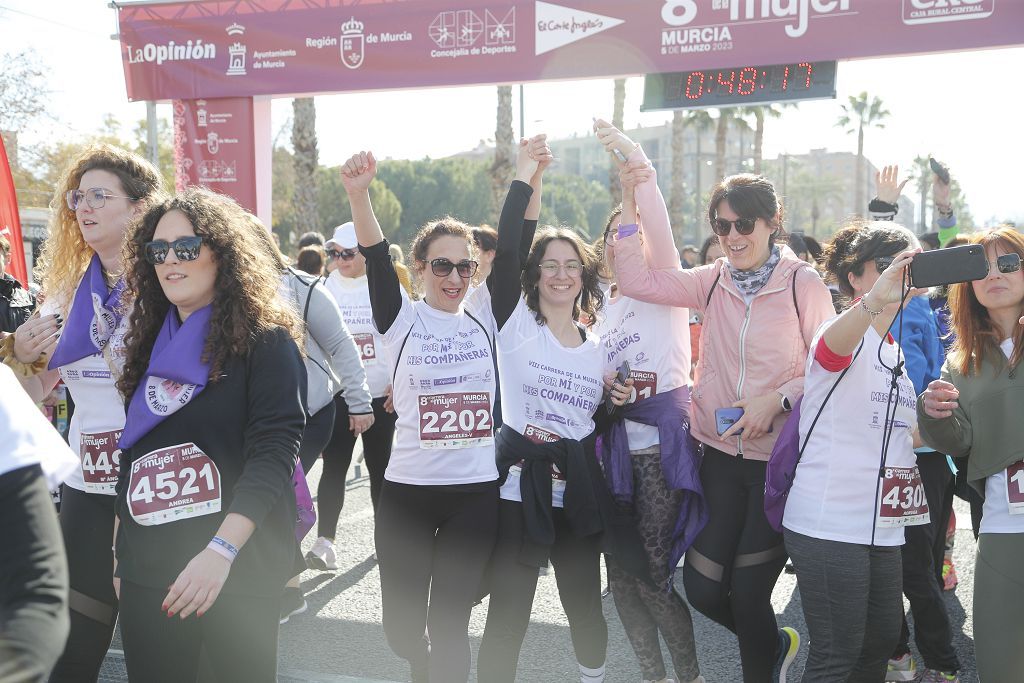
(322, 556)
(949, 580)
(292, 602)
(933, 676)
(789, 645)
(902, 669)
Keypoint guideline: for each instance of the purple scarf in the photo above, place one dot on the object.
(95, 314)
(680, 462)
(176, 374)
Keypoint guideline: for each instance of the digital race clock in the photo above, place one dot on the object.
(740, 86)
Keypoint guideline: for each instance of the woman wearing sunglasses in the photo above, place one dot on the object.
(659, 484)
(761, 308)
(213, 381)
(844, 524)
(550, 366)
(78, 336)
(974, 411)
(437, 514)
(348, 284)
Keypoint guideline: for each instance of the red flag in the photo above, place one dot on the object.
(10, 224)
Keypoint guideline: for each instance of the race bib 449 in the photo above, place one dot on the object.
(171, 484)
(455, 420)
(101, 461)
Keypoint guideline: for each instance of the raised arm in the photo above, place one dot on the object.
(382, 280)
(642, 201)
(885, 206)
(520, 209)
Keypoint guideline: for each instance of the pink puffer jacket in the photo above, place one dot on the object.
(745, 351)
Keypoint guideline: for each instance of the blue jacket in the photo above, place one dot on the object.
(921, 344)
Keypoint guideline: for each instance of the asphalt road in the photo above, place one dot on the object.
(340, 637)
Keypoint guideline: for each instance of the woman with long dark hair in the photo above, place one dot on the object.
(214, 384)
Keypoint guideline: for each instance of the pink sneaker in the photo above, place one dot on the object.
(949, 580)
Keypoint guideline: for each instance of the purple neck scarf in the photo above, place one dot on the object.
(176, 374)
(680, 462)
(95, 314)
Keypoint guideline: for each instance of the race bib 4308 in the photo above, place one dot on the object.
(172, 484)
(101, 461)
(903, 501)
(455, 420)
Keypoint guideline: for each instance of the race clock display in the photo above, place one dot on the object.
(740, 86)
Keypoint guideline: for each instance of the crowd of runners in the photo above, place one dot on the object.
(525, 398)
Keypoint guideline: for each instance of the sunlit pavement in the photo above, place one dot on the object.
(340, 638)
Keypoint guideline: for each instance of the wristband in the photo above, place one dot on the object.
(627, 230)
(223, 548)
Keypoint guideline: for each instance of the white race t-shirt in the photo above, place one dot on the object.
(833, 494)
(655, 340)
(548, 391)
(99, 416)
(444, 394)
(995, 515)
(353, 297)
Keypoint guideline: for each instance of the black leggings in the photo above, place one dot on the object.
(238, 637)
(316, 435)
(33, 578)
(87, 524)
(577, 564)
(733, 565)
(330, 496)
(432, 548)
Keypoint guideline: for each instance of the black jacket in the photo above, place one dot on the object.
(16, 304)
(249, 423)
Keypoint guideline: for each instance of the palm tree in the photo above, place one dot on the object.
(721, 130)
(860, 113)
(922, 174)
(700, 120)
(306, 161)
(677, 191)
(618, 112)
(502, 167)
(760, 113)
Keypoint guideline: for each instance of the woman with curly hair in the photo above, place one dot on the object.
(551, 386)
(214, 383)
(78, 336)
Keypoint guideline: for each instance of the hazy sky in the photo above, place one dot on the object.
(976, 129)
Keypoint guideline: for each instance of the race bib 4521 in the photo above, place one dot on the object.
(171, 484)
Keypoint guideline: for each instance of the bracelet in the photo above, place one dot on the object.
(223, 548)
(23, 369)
(864, 305)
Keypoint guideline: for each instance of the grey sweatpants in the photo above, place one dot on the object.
(998, 606)
(646, 610)
(852, 597)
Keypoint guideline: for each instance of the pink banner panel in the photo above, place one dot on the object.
(277, 47)
(213, 147)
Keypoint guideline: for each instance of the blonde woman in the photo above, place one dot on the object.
(78, 336)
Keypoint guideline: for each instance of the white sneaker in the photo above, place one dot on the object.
(322, 556)
(902, 669)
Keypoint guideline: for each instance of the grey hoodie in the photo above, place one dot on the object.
(332, 360)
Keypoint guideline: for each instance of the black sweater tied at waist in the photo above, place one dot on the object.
(588, 505)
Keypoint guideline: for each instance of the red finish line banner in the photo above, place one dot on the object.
(231, 49)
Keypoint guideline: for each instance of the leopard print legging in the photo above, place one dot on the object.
(647, 609)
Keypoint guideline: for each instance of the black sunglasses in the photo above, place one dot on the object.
(442, 267)
(1007, 263)
(344, 254)
(744, 226)
(185, 248)
(883, 262)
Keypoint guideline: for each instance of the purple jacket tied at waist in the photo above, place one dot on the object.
(680, 461)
